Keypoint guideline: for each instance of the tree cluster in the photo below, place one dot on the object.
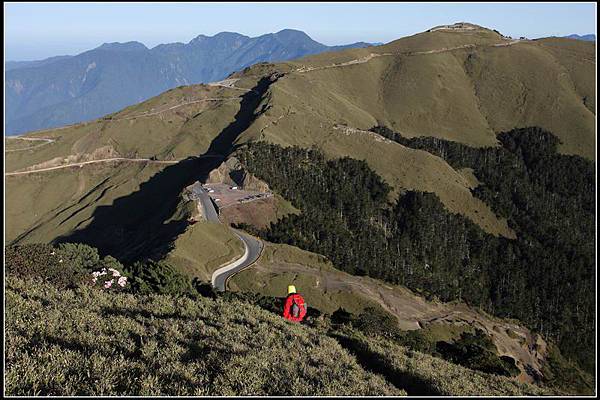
(544, 277)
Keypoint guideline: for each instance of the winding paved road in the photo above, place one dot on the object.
(252, 246)
(252, 250)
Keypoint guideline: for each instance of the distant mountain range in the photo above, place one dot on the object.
(590, 37)
(10, 65)
(69, 89)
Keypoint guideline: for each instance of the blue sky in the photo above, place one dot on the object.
(40, 30)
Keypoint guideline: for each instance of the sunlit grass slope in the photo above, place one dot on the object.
(87, 342)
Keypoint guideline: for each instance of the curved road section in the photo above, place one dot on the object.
(252, 249)
(252, 246)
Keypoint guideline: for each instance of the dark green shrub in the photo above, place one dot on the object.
(65, 266)
(376, 321)
(204, 289)
(477, 352)
(79, 255)
(341, 316)
(416, 341)
(158, 277)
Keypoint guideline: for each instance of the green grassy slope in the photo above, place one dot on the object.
(111, 204)
(427, 84)
(51, 204)
(203, 248)
(463, 94)
(179, 123)
(291, 120)
(87, 342)
(529, 85)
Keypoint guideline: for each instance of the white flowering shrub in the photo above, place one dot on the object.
(108, 279)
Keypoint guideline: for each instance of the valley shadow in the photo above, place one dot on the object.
(144, 224)
(371, 361)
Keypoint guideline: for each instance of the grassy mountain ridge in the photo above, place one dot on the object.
(64, 90)
(179, 123)
(433, 84)
(94, 343)
(461, 95)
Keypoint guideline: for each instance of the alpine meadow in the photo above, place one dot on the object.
(414, 218)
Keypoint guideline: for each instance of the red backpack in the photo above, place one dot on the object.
(295, 308)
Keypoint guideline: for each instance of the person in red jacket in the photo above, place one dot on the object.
(295, 307)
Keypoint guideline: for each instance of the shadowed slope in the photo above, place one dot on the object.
(145, 223)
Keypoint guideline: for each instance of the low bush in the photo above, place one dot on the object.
(341, 317)
(85, 342)
(68, 265)
(416, 341)
(423, 374)
(204, 289)
(376, 321)
(158, 277)
(478, 352)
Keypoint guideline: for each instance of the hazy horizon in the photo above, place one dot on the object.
(35, 31)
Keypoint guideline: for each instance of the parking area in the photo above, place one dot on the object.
(226, 195)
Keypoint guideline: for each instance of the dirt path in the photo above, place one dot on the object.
(371, 56)
(115, 159)
(146, 114)
(230, 84)
(45, 140)
(414, 312)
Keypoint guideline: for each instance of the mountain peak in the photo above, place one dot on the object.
(219, 36)
(291, 32)
(458, 26)
(589, 37)
(227, 34)
(118, 46)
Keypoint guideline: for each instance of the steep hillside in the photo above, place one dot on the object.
(86, 342)
(179, 123)
(70, 89)
(461, 86)
(329, 289)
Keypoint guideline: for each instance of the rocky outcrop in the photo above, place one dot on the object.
(231, 172)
